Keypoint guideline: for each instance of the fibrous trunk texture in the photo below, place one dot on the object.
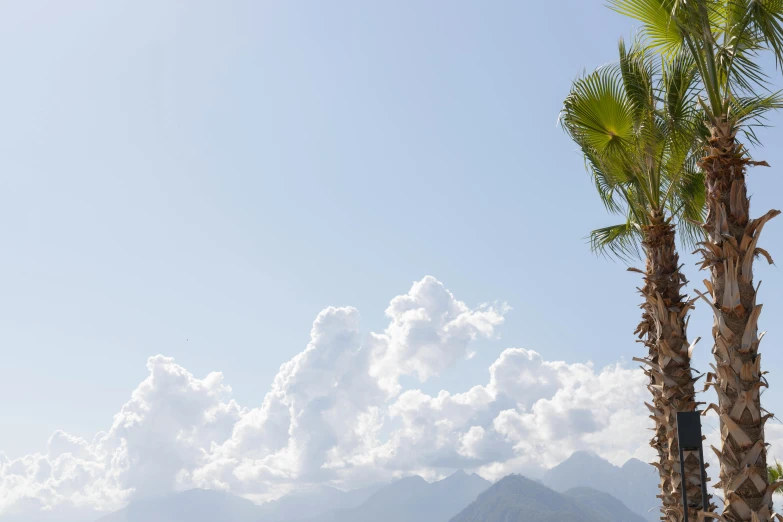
(663, 331)
(737, 378)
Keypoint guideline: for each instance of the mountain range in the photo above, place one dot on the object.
(457, 498)
(410, 499)
(583, 486)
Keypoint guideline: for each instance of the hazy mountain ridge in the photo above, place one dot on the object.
(461, 497)
(303, 505)
(603, 504)
(413, 499)
(195, 505)
(515, 498)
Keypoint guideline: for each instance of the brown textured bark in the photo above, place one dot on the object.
(736, 377)
(663, 331)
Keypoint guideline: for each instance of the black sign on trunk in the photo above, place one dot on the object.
(689, 439)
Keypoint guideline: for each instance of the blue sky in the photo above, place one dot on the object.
(200, 179)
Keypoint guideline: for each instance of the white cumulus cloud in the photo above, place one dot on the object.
(337, 413)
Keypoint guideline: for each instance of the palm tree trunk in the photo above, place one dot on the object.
(663, 331)
(737, 377)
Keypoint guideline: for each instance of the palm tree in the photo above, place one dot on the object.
(725, 38)
(638, 127)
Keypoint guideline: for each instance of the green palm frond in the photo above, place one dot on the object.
(740, 71)
(608, 188)
(621, 241)
(680, 90)
(600, 115)
(766, 24)
(754, 108)
(750, 112)
(660, 28)
(688, 201)
(637, 69)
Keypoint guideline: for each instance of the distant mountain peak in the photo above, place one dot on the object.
(591, 453)
(413, 478)
(515, 497)
(461, 481)
(635, 483)
(586, 455)
(458, 475)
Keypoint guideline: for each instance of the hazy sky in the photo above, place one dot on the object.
(199, 179)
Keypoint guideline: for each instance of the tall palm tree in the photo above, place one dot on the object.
(725, 38)
(637, 126)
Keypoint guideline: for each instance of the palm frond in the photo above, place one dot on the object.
(750, 113)
(767, 24)
(688, 203)
(607, 187)
(660, 27)
(637, 71)
(742, 72)
(680, 88)
(754, 108)
(597, 113)
(621, 241)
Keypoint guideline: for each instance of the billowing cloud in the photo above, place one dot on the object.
(531, 415)
(163, 429)
(336, 413)
(429, 330)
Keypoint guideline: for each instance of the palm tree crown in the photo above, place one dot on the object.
(724, 38)
(637, 124)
